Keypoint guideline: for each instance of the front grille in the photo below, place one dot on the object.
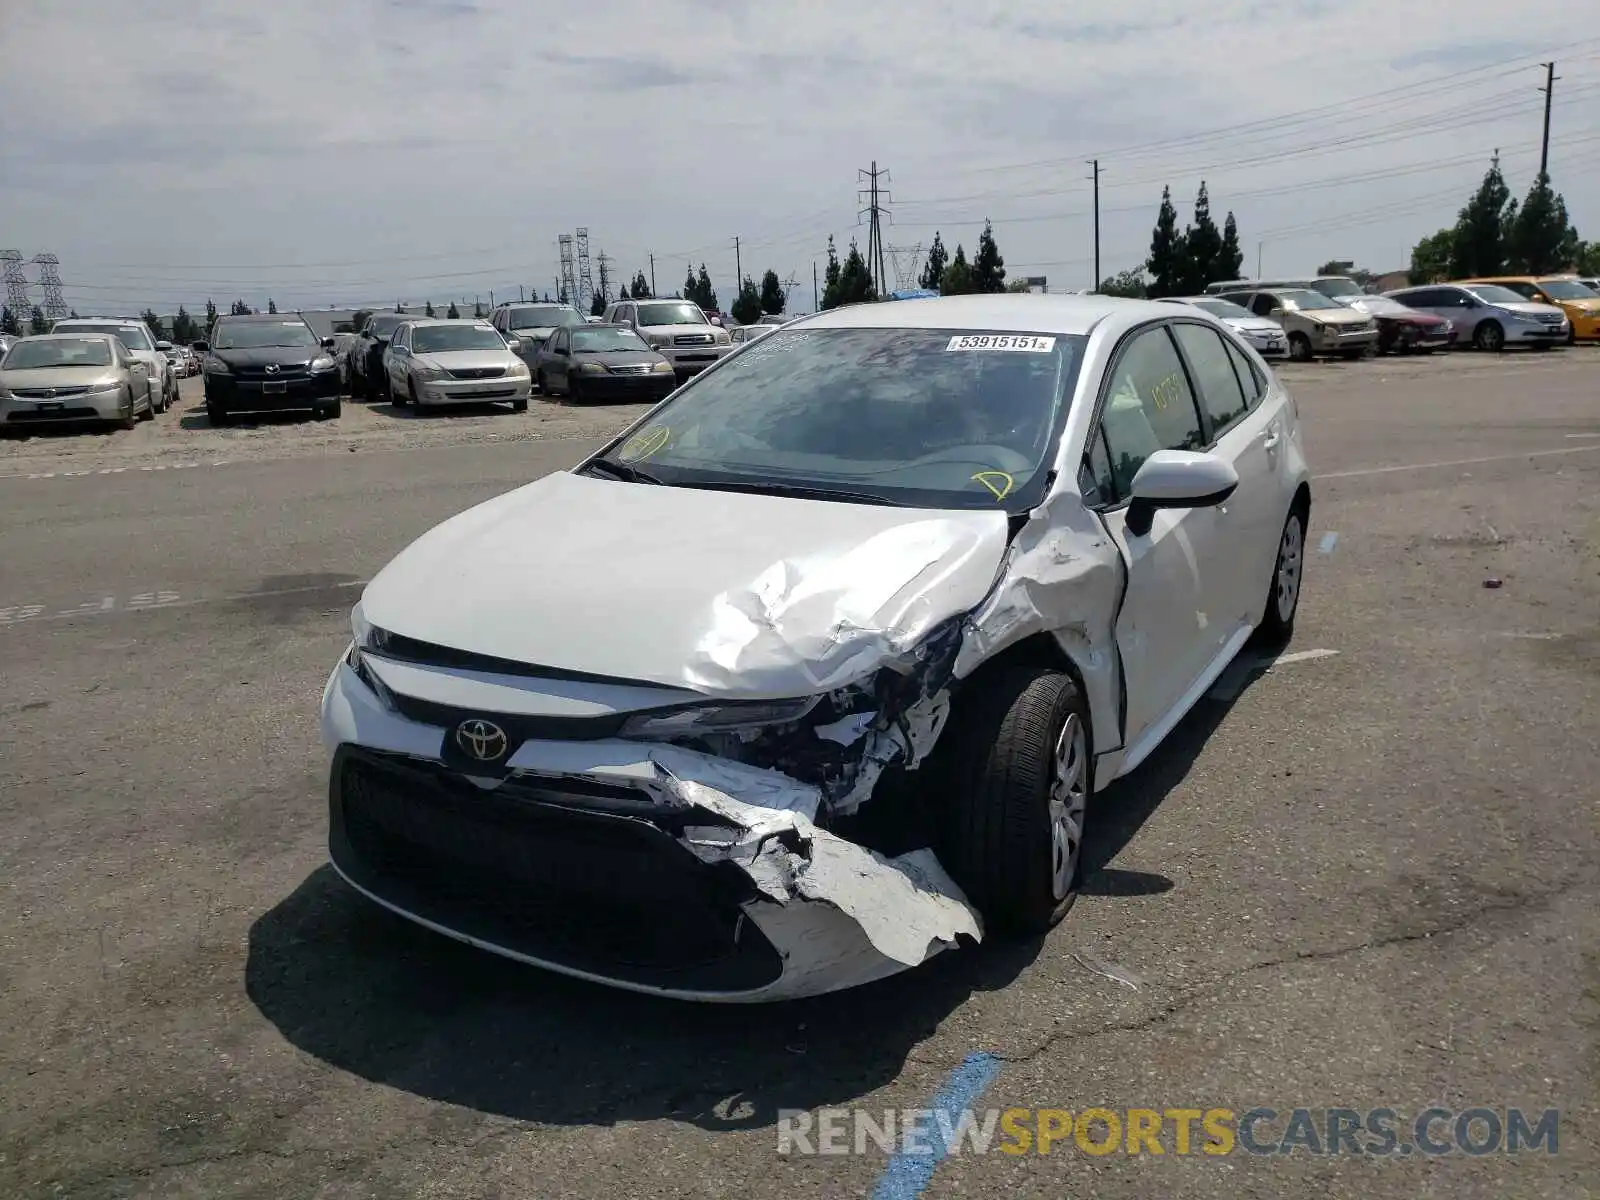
(693, 339)
(477, 372)
(47, 393)
(261, 373)
(518, 728)
(640, 369)
(527, 868)
(1551, 318)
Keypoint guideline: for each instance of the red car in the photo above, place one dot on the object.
(1405, 330)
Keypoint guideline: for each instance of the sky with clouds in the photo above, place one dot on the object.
(380, 150)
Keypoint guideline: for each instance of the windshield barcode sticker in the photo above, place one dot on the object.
(1026, 343)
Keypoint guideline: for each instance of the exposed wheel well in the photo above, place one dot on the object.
(1302, 503)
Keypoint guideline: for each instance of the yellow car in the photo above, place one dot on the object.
(1580, 304)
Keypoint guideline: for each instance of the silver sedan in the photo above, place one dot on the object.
(441, 362)
(73, 377)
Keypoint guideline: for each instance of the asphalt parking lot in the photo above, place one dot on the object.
(1366, 878)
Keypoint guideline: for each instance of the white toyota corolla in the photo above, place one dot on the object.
(809, 674)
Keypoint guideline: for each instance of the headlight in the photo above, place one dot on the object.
(427, 370)
(322, 362)
(105, 385)
(363, 635)
(591, 368)
(718, 718)
(721, 337)
(517, 370)
(658, 340)
(662, 368)
(212, 365)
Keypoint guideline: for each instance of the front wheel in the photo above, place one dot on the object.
(1283, 600)
(329, 410)
(520, 404)
(1017, 770)
(1299, 347)
(1489, 336)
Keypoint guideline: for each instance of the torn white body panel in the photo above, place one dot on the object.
(1063, 576)
(686, 584)
(838, 914)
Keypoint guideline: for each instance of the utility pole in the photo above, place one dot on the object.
(1259, 245)
(521, 296)
(1548, 89)
(491, 299)
(652, 274)
(1095, 163)
(738, 266)
(816, 296)
(876, 200)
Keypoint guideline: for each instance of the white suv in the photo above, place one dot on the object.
(675, 329)
(135, 335)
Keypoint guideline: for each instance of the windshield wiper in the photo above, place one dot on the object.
(801, 491)
(621, 470)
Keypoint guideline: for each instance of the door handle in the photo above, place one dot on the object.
(1270, 441)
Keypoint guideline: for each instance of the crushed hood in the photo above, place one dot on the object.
(727, 594)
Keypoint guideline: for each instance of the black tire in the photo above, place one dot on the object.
(543, 384)
(574, 392)
(329, 410)
(520, 404)
(1288, 573)
(216, 414)
(149, 413)
(998, 823)
(1489, 336)
(1299, 348)
(130, 420)
(411, 394)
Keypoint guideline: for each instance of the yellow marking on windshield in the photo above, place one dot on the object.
(643, 445)
(997, 482)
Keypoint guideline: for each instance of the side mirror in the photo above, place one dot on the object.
(514, 344)
(163, 345)
(328, 343)
(1178, 479)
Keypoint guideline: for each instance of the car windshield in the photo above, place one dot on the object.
(1338, 287)
(1225, 309)
(1381, 304)
(545, 316)
(1305, 298)
(62, 352)
(677, 313)
(431, 339)
(602, 341)
(1493, 293)
(385, 325)
(258, 335)
(134, 337)
(1567, 289)
(929, 418)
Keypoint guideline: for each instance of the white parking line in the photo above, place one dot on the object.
(182, 466)
(1232, 681)
(1329, 541)
(1458, 462)
(105, 606)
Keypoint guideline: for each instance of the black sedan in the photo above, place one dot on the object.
(602, 362)
(363, 358)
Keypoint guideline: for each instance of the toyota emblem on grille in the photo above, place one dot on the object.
(482, 740)
(272, 368)
(49, 393)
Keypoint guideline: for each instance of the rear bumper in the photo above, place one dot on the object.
(261, 395)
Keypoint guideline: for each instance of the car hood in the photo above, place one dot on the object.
(619, 358)
(261, 356)
(57, 377)
(723, 593)
(467, 360)
(1337, 316)
(1531, 308)
(1409, 318)
(672, 331)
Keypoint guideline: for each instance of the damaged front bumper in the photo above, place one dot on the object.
(643, 865)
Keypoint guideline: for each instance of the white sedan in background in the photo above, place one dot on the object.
(809, 675)
(438, 362)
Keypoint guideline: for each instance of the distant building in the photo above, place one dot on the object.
(1389, 280)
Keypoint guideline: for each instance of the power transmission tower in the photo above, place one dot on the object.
(789, 286)
(876, 199)
(567, 284)
(1548, 89)
(605, 261)
(16, 286)
(738, 267)
(55, 304)
(907, 262)
(585, 280)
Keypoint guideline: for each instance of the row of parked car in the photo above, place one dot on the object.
(1334, 315)
(638, 350)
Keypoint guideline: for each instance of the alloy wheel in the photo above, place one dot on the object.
(1069, 795)
(1291, 551)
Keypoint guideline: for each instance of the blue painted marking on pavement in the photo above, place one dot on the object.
(1329, 541)
(908, 1175)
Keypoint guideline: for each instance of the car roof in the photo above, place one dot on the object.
(447, 320)
(1502, 279)
(1007, 312)
(70, 336)
(264, 318)
(606, 325)
(97, 321)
